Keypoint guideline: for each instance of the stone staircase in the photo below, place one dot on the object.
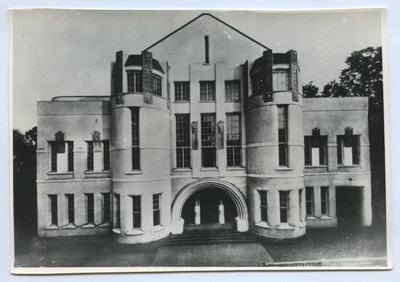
(207, 237)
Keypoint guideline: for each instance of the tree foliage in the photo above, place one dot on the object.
(310, 90)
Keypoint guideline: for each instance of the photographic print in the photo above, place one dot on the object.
(198, 140)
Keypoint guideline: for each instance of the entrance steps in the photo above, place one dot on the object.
(207, 237)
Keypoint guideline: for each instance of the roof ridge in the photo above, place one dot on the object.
(196, 18)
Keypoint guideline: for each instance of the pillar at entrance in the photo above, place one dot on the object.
(221, 215)
(197, 219)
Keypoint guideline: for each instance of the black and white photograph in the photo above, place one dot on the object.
(155, 140)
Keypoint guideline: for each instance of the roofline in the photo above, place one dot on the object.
(206, 14)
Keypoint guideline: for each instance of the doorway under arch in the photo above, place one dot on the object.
(213, 191)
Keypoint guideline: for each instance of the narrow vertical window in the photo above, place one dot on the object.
(264, 206)
(70, 208)
(106, 155)
(53, 210)
(233, 140)
(89, 208)
(301, 191)
(208, 150)
(135, 139)
(284, 205)
(282, 136)
(90, 155)
(117, 200)
(324, 200)
(310, 201)
(182, 140)
(207, 51)
(232, 90)
(157, 85)
(136, 212)
(53, 156)
(207, 90)
(134, 81)
(156, 209)
(70, 156)
(106, 207)
(182, 91)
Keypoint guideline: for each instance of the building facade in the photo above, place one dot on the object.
(205, 127)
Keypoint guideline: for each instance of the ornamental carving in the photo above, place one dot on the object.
(147, 73)
(195, 142)
(294, 57)
(316, 131)
(295, 96)
(59, 136)
(348, 131)
(148, 98)
(119, 99)
(268, 97)
(220, 134)
(294, 78)
(168, 88)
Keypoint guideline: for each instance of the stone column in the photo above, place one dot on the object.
(303, 205)
(147, 212)
(61, 211)
(273, 208)
(97, 199)
(197, 219)
(332, 201)
(332, 153)
(126, 223)
(80, 209)
(221, 215)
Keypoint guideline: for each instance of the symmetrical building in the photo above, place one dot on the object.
(205, 127)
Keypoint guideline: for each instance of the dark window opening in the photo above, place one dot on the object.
(136, 212)
(53, 210)
(208, 150)
(233, 140)
(134, 81)
(232, 90)
(207, 90)
(135, 139)
(90, 208)
(284, 205)
(106, 207)
(70, 208)
(182, 91)
(264, 206)
(183, 140)
(156, 209)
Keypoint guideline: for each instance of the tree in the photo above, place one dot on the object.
(310, 90)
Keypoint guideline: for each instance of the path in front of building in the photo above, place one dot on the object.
(211, 248)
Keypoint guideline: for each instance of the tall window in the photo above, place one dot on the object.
(324, 200)
(282, 136)
(182, 140)
(301, 191)
(53, 210)
(156, 209)
(208, 150)
(106, 207)
(106, 155)
(264, 206)
(258, 81)
(62, 156)
(136, 212)
(207, 90)
(233, 139)
(89, 208)
(90, 157)
(309, 201)
(134, 81)
(135, 139)
(117, 200)
(157, 85)
(280, 80)
(232, 90)
(182, 91)
(70, 208)
(315, 150)
(348, 149)
(284, 205)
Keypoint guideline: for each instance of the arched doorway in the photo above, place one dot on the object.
(209, 194)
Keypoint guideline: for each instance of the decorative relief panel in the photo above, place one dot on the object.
(96, 137)
(59, 136)
(195, 142)
(316, 131)
(147, 76)
(295, 96)
(348, 131)
(119, 99)
(220, 134)
(268, 97)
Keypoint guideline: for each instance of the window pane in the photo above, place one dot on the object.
(106, 154)
(117, 210)
(280, 80)
(90, 208)
(135, 139)
(282, 136)
(310, 201)
(134, 81)
(264, 206)
(53, 210)
(208, 140)
(70, 156)
(136, 211)
(156, 209)
(207, 90)
(324, 200)
(182, 91)
(283, 203)
(70, 208)
(53, 156)
(106, 207)
(233, 141)
(307, 150)
(232, 90)
(90, 156)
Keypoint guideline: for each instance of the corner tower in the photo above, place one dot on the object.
(275, 150)
(140, 148)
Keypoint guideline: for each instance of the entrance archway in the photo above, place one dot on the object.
(217, 187)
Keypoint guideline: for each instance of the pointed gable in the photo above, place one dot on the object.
(226, 44)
